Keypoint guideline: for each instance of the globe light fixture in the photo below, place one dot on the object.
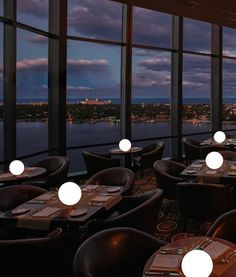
(214, 160)
(219, 136)
(69, 193)
(16, 167)
(197, 263)
(124, 145)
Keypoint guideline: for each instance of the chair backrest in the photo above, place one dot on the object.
(202, 201)
(95, 163)
(38, 256)
(57, 169)
(115, 252)
(149, 157)
(192, 149)
(228, 155)
(167, 176)
(224, 227)
(139, 212)
(115, 176)
(13, 196)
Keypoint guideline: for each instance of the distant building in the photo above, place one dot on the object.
(95, 102)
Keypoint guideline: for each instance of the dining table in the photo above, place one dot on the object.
(47, 211)
(228, 143)
(167, 260)
(126, 156)
(28, 173)
(199, 171)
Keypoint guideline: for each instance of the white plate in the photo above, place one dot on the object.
(17, 211)
(78, 212)
(190, 171)
(113, 189)
(232, 173)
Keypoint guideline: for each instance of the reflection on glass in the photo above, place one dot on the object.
(100, 19)
(228, 94)
(196, 93)
(151, 92)
(197, 36)
(33, 13)
(93, 95)
(229, 41)
(32, 93)
(158, 32)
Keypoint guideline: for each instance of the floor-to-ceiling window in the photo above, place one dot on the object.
(93, 76)
(151, 76)
(229, 79)
(196, 78)
(1, 88)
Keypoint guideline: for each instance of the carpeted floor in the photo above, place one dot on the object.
(169, 224)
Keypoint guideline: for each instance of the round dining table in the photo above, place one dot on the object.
(227, 269)
(29, 172)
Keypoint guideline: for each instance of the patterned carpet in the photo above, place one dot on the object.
(169, 224)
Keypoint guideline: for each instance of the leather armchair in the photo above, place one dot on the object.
(118, 252)
(202, 201)
(149, 155)
(95, 162)
(167, 176)
(224, 227)
(138, 211)
(13, 196)
(115, 176)
(228, 155)
(57, 170)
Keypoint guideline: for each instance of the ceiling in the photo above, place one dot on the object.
(221, 12)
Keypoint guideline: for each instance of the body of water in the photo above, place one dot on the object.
(33, 137)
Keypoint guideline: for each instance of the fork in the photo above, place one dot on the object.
(228, 257)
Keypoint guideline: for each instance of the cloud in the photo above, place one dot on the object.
(37, 8)
(38, 39)
(79, 89)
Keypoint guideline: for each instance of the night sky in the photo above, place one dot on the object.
(94, 69)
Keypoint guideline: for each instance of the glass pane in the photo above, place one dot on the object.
(151, 92)
(33, 13)
(159, 31)
(197, 36)
(1, 7)
(100, 19)
(196, 94)
(93, 94)
(1, 93)
(229, 41)
(32, 93)
(228, 94)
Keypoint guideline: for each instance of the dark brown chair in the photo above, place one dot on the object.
(194, 151)
(95, 162)
(115, 176)
(35, 255)
(118, 252)
(202, 201)
(224, 227)
(138, 211)
(167, 176)
(57, 170)
(149, 155)
(228, 155)
(13, 196)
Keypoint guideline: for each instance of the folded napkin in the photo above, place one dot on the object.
(166, 263)
(89, 188)
(108, 201)
(44, 197)
(216, 249)
(210, 172)
(196, 165)
(233, 167)
(46, 212)
(102, 198)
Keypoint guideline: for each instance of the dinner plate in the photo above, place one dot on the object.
(17, 211)
(113, 189)
(232, 173)
(78, 212)
(191, 171)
